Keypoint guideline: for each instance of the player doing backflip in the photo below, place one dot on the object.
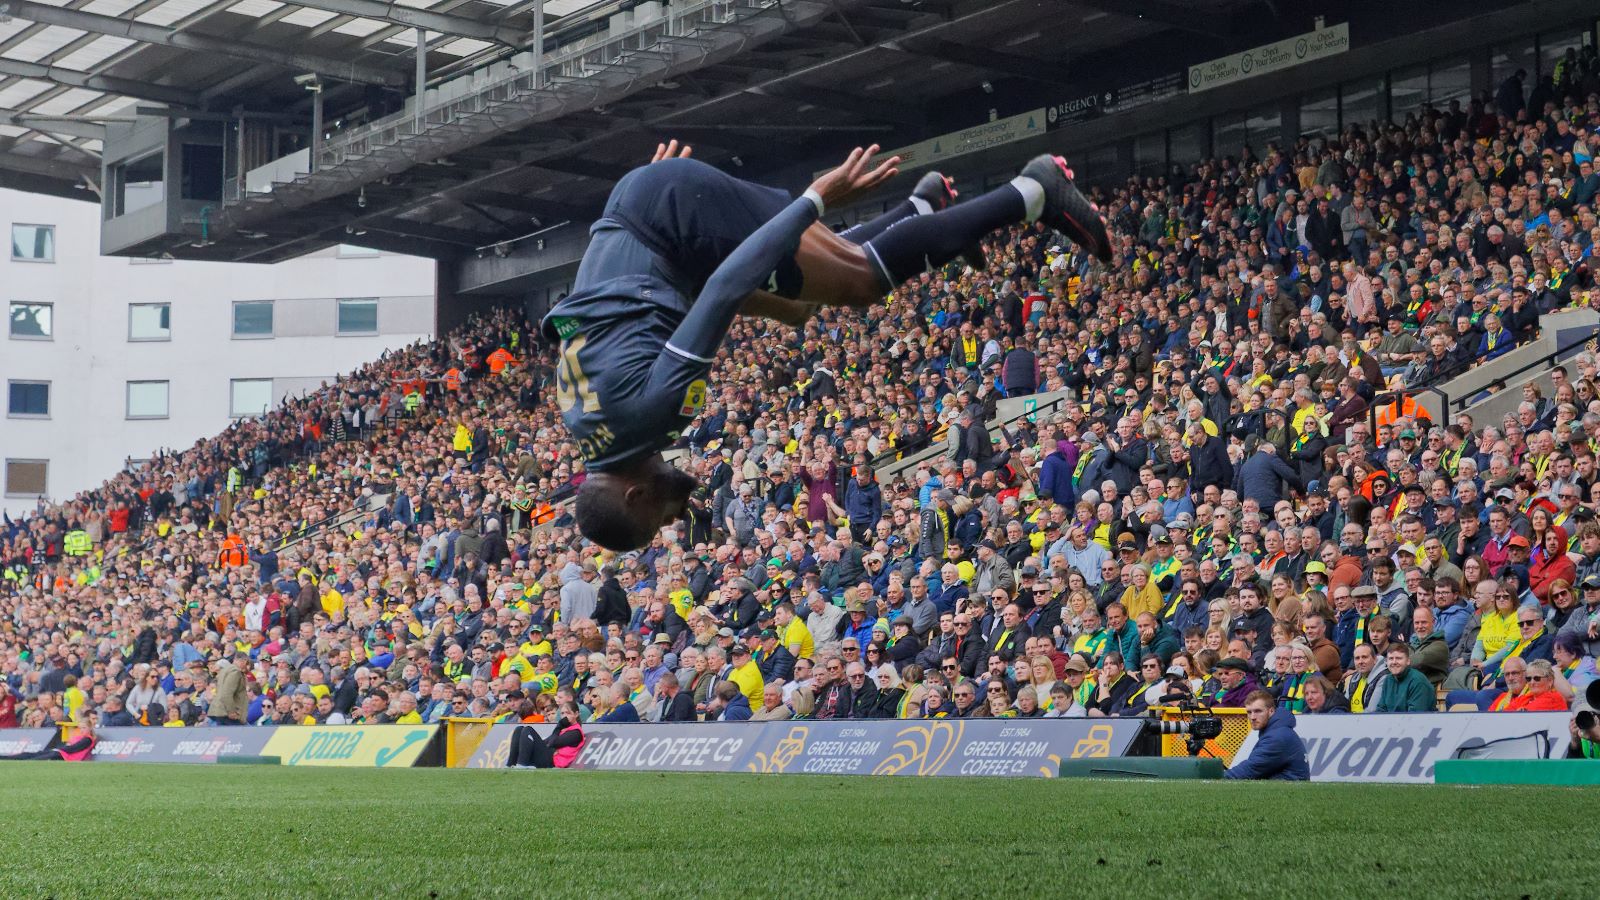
(682, 248)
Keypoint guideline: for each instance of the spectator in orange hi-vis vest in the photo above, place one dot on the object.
(500, 359)
(233, 552)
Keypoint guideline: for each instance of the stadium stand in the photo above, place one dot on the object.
(1227, 481)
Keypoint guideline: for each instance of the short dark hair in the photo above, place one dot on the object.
(603, 516)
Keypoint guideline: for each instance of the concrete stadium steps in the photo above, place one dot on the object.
(1007, 411)
(1559, 329)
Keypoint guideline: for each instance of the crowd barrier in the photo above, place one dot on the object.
(179, 745)
(381, 746)
(1402, 748)
(1007, 747)
(24, 740)
(1235, 731)
(1376, 747)
(384, 746)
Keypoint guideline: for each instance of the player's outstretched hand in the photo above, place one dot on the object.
(855, 177)
(670, 150)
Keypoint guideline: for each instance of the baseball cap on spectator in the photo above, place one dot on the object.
(1591, 582)
(725, 632)
(1125, 541)
(988, 545)
(1029, 570)
(1074, 664)
(1518, 541)
(739, 649)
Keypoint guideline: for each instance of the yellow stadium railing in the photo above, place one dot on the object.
(461, 737)
(1235, 727)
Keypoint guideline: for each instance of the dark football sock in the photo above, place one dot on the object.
(914, 245)
(866, 231)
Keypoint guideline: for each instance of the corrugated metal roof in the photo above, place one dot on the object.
(75, 50)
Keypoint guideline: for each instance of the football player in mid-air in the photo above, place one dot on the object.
(682, 248)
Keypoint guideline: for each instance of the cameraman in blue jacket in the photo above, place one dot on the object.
(1279, 753)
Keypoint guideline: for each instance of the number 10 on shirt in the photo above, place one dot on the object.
(571, 383)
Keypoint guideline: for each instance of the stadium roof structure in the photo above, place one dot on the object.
(506, 142)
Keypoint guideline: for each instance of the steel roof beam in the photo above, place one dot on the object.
(999, 63)
(70, 126)
(145, 33)
(395, 14)
(111, 84)
(426, 231)
(1214, 22)
(48, 167)
(855, 104)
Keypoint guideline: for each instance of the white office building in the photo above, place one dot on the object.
(107, 359)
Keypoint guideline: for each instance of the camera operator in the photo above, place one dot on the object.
(1585, 736)
(1585, 726)
(1279, 753)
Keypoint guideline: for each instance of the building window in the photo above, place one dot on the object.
(1358, 103)
(149, 321)
(1506, 59)
(1186, 144)
(33, 243)
(28, 399)
(358, 316)
(1408, 92)
(33, 321)
(1450, 80)
(1150, 153)
(252, 319)
(1553, 47)
(147, 399)
(1319, 112)
(27, 477)
(351, 251)
(250, 397)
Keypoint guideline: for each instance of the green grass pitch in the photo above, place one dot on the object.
(133, 830)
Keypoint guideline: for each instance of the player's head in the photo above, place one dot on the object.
(622, 510)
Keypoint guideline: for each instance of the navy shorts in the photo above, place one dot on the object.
(677, 219)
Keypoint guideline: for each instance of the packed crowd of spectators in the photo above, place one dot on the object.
(1215, 507)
